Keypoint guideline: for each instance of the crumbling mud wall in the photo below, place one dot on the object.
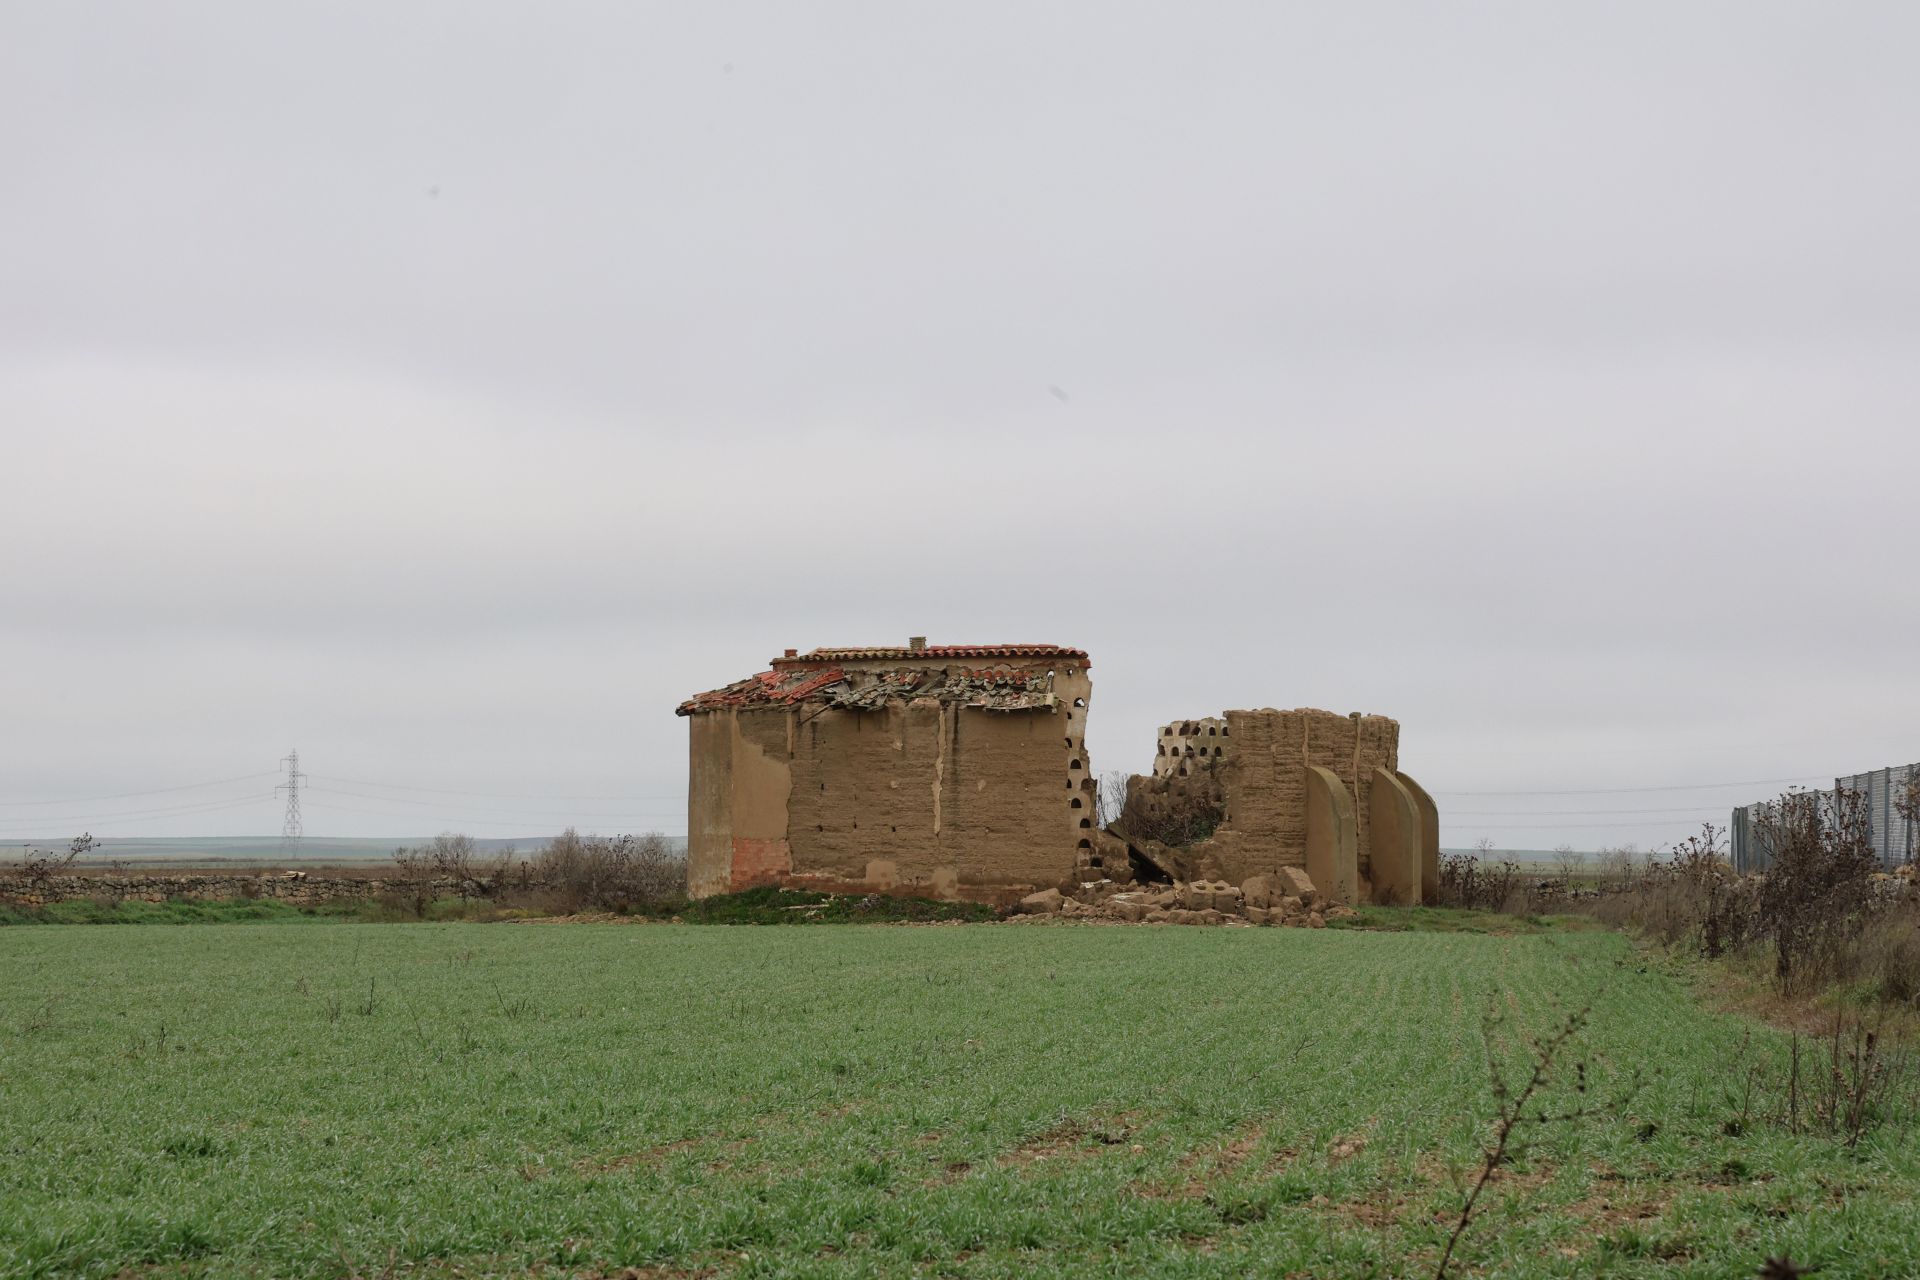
(962, 771)
(1252, 792)
(946, 771)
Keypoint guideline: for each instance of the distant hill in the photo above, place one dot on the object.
(1519, 855)
(267, 848)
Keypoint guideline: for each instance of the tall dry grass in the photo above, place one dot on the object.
(1823, 918)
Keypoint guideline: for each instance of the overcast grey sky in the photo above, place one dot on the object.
(447, 389)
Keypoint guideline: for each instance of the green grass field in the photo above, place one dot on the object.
(992, 1100)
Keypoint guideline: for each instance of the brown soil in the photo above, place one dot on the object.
(1072, 1140)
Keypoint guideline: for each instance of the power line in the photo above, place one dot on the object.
(118, 819)
(197, 805)
(1576, 813)
(436, 805)
(495, 795)
(521, 827)
(1547, 826)
(1629, 791)
(1699, 748)
(128, 795)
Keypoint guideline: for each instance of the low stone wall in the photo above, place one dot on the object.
(296, 890)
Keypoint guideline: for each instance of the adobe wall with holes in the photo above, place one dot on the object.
(1253, 764)
(1186, 744)
(920, 797)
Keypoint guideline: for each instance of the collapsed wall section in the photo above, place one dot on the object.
(1229, 795)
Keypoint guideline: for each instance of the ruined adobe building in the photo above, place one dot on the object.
(1263, 790)
(948, 771)
(961, 771)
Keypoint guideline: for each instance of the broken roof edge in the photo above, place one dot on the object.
(763, 689)
(892, 654)
(989, 688)
(1296, 711)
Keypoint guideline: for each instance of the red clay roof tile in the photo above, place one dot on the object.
(938, 651)
(817, 677)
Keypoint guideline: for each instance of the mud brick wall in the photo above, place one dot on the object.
(923, 796)
(1187, 745)
(926, 786)
(1254, 761)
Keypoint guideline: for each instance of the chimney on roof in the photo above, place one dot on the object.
(916, 643)
(792, 653)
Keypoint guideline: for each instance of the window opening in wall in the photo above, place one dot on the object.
(1079, 702)
(1073, 764)
(1086, 822)
(1075, 804)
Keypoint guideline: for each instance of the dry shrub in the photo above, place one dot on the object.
(1815, 897)
(38, 867)
(1110, 797)
(1177, 812)
(1619, 865)
(1468, 882)
(1820, 913)
(610, 873)
(1692, 899)
(456, 861)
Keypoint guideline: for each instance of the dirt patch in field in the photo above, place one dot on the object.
(1341, 1150)
(1394, 1201)
(1072, 1140)
(1205, 1165)
(1613, 1203)
(1279, 1161)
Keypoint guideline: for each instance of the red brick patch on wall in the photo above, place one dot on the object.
(758, 862)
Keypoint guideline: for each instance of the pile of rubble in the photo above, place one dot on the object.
(1901, 882)
(1286, 897)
